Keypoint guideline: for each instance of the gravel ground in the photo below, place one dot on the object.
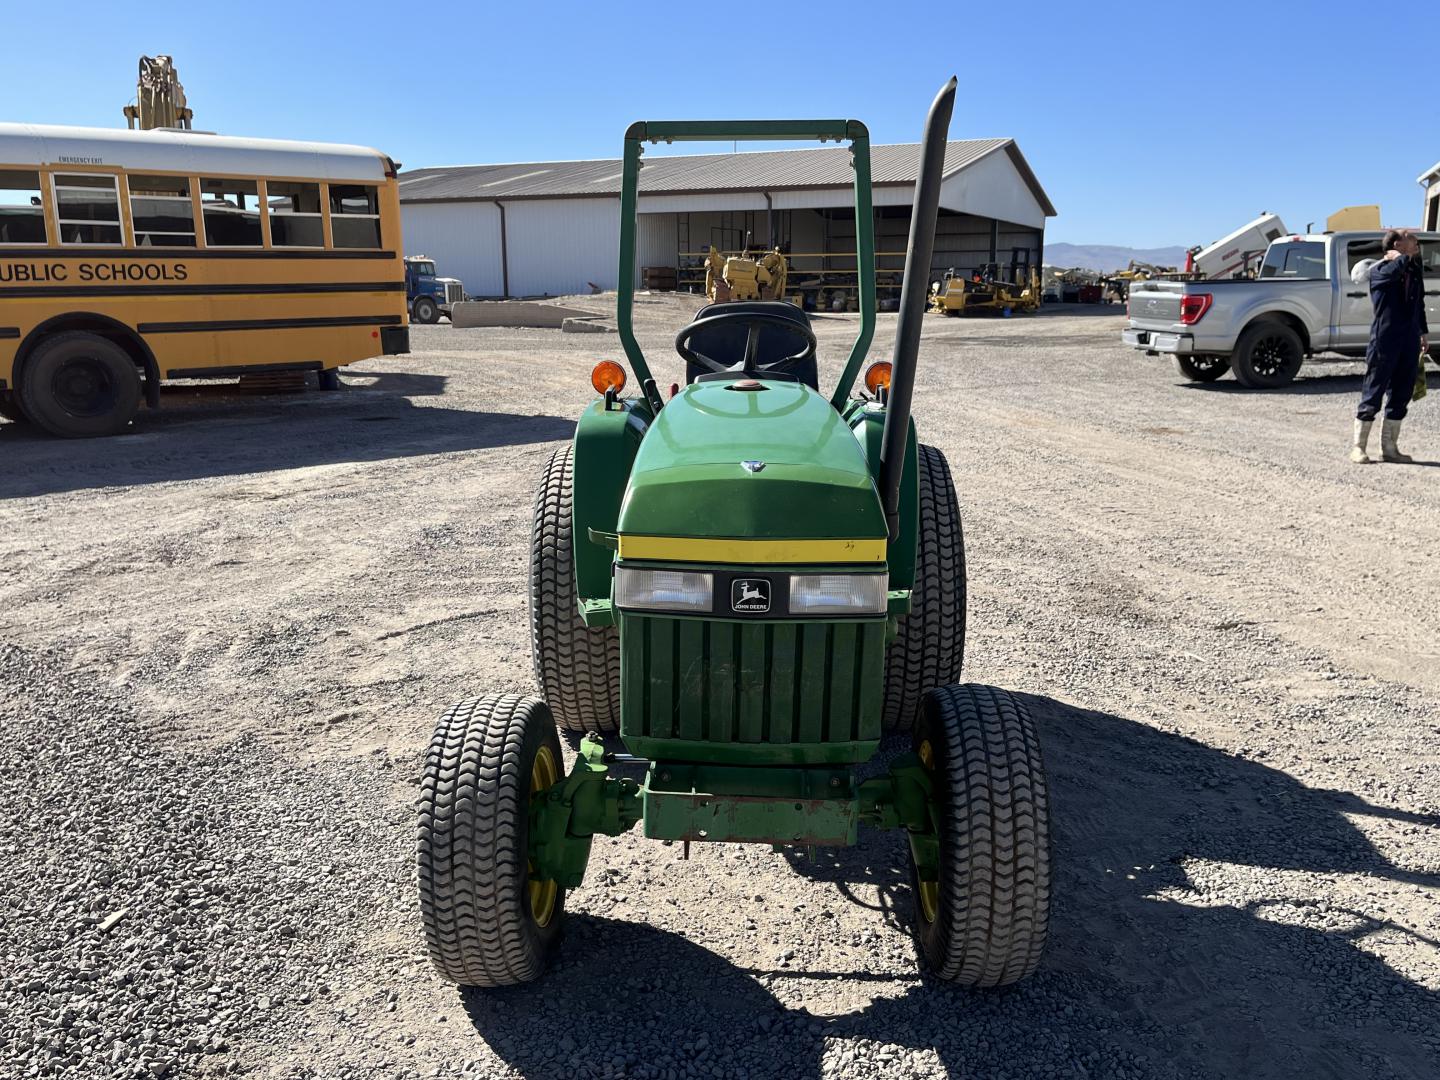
(225, 636)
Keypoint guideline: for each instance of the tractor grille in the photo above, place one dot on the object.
(761, 682)
(454, 292)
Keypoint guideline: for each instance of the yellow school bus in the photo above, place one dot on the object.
(132, 257)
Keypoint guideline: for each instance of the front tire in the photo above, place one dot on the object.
(983, 921)
(576, 666)
(486, 922)
(1202, 368)
(1268, 355)
(929, 648)
(79, 385)
(425, 310)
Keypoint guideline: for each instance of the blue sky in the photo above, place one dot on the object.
(1149, 124)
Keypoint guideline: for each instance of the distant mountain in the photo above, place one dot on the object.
(1107, 257)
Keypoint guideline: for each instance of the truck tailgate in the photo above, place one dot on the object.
(1155, 303)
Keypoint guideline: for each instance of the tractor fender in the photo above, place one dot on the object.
(869, 424)
(606, 441)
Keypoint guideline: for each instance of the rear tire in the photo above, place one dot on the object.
(1202, 368)
(486, 922)
(983, 923)
(1268, 355)
(929, 649)
(78, 385)
(329, 379)
(425, 310)
(576, 666)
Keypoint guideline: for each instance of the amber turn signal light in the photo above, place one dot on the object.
(607, 375)
(877, 376)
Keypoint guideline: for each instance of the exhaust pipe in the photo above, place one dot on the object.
(912, 303)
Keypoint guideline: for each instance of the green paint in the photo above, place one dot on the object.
(719, 801)
(852, 131)
(865, 258)
(606, 442)
(733, 701)
(565, 817)
(813, 805)
(752, 805)
(868, 422)
(687, 479)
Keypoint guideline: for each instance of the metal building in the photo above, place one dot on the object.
(1430, 181)
(553, 228)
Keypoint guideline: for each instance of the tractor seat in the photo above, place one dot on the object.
(726, 342)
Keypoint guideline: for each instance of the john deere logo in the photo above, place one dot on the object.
(750, 594)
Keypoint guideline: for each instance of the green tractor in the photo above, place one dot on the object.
(749, 582)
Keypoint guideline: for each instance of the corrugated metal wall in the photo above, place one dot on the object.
(560, 246)
(462, 238)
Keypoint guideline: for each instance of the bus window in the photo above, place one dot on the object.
(161, 211)
(22, 217)
(88, 209)
(354, 216)
(295, 217)
(232, 212)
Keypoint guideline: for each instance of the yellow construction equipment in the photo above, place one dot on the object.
(1353, 217)
(984, 290)
(159, 97)
(744, 277)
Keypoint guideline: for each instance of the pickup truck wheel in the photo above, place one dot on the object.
(1268, 354)
(425, 310)
(1202, 368)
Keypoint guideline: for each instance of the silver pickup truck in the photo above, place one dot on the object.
(1303, 306)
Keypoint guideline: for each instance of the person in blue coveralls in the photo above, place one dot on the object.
(1398, 337)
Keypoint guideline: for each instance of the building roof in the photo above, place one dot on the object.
(194, 152)
(760, 170)
(1430, 175)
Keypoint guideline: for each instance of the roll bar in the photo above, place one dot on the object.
(655, 131)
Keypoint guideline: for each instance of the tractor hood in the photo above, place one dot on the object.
(776, 462)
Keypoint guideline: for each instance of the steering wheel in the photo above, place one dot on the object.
(754, 322)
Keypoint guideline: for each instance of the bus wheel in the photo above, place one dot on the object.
(426, 310)
(329, 378)
(79, 385)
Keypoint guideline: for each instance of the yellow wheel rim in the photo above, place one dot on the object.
(929, 890)
(542, 894)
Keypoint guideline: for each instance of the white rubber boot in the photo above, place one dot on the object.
(1362, 437)
(1390, 443)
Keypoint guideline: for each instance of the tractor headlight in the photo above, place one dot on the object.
(838, 594)
(663, 590)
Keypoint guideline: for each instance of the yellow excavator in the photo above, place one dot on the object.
(745, 277)
(159, 97)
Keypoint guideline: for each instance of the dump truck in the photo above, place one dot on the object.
(742, 586)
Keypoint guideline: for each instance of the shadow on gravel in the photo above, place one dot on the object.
(1150, 972)
(1332, 383)
(1240, 972)
(199, 433)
